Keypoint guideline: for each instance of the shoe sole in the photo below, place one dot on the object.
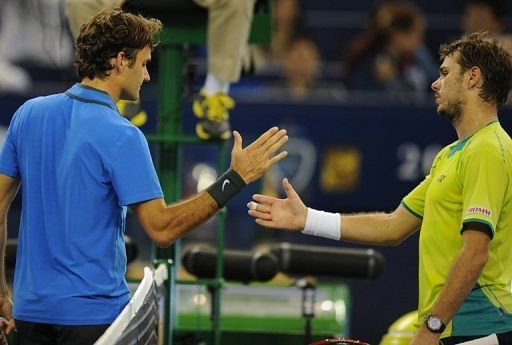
(202, 134)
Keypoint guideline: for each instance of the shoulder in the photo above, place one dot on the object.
(493, 141)
(38, 105)
(442, 153)
(44, 100)
(116, 131)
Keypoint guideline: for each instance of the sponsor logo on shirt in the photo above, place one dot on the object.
(479, 210)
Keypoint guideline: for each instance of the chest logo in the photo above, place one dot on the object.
(441, 178)
(479, 210)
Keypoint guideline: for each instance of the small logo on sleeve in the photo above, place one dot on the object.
(224, 184)
(479, 210)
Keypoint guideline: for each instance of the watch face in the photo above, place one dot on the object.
(434, 323)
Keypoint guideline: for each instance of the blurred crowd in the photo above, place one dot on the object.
(392, 54)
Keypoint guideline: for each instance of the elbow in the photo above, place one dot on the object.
(162, 242)
(395, 241)
(163, 239)
(160, 235)
(395, 237)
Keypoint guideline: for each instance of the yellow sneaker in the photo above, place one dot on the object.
(214, 115)
(133, 112)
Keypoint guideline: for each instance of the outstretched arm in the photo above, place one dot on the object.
(371, 228)
(166, 223)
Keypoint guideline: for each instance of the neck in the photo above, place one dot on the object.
(104, 85)
(475, 118)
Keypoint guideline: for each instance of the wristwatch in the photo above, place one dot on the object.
(434, 324)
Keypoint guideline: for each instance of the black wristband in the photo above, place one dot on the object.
(226, 187)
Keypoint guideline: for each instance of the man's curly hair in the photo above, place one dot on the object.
(495, 62)
(108, 33)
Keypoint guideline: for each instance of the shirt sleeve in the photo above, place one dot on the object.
(414, 202)
(132, 171)
(484, 179)
(8, 155)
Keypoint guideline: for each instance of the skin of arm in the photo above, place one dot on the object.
(166, 223)
(389, 229)
(463, 276)
(8, 190)
(371, 228)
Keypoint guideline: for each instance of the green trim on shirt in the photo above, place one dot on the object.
(410, 210)
(458, 146)
(477, 220)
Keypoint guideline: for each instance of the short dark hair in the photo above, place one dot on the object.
(493, 60)
(108, 33)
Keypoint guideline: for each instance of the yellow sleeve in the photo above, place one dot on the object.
(414, 202)
(484, 179)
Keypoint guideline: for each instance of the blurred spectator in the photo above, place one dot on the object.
(390, 55)
(286, 16)
(301, 65)
(489, 16)
(293, 57)
(484, 15)
(298, 75)
(286, 22)
(32, 33)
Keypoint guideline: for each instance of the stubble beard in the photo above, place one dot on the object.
(452, 112)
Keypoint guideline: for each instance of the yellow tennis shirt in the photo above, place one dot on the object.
(470, 181)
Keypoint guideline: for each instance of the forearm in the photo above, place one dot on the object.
(8, 189)
(365, 228)
(368, 228)
(166, 223)
(379, 228)
(174, 221)
(4, 291)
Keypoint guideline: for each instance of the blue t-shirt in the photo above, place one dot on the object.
(80, 164)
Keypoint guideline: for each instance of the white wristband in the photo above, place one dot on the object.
(323, 224)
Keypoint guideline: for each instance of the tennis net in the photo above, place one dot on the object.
(138, 322)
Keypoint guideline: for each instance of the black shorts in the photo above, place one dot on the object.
(33, 333)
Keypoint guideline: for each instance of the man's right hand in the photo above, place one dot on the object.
(287, 214)
(7, 324)
(253, 161)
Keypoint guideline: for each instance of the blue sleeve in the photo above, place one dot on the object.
(8, 155)
(132, 171)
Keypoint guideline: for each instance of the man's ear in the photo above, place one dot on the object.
(120, 61)
(475, 77)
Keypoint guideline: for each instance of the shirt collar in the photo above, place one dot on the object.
(89, 94)
(459, 145)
